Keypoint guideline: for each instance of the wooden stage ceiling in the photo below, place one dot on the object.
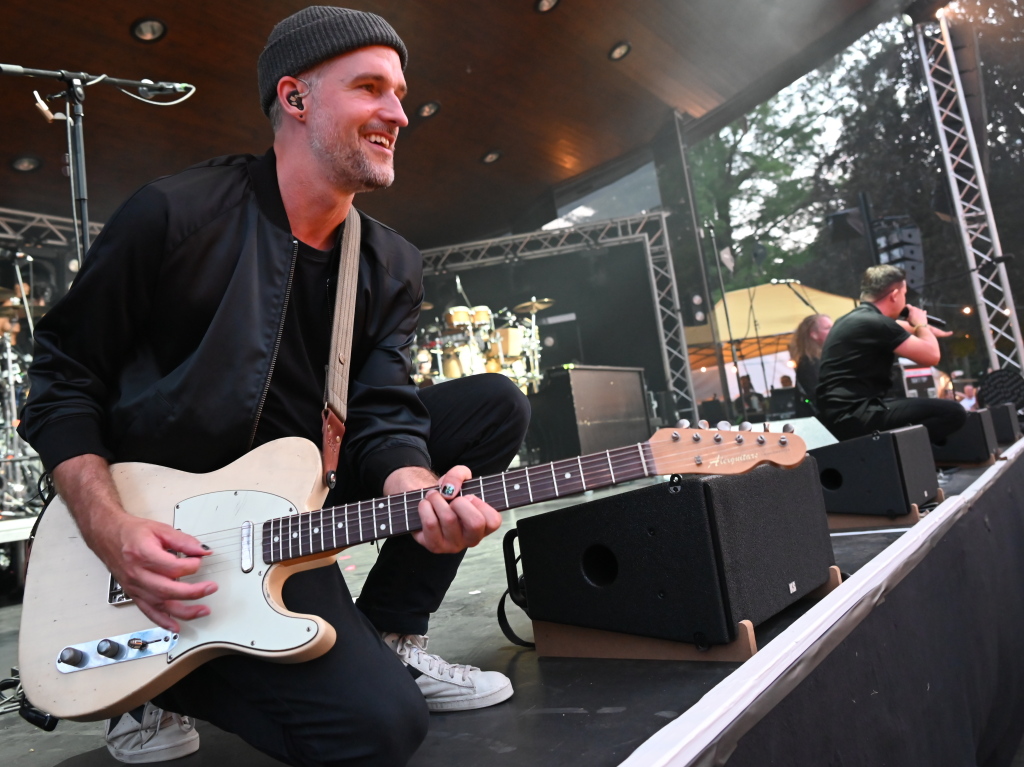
(538, 87)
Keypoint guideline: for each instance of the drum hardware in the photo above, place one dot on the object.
(20, 467)
(426, 306)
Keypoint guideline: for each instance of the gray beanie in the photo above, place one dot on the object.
(316, 34)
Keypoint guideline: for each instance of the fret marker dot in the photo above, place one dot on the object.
(276, 539)
(340, 525)
(316, 530)
(381, 506)
(515, 487)
(567, 475)
(383, 526)
(295, 535)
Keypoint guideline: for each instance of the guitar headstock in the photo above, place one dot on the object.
(722, 450)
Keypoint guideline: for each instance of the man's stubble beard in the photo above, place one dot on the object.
(348, 167)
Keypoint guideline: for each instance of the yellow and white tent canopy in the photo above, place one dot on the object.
(762, 319)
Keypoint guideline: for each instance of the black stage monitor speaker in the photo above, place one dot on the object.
(974, 442)
(586, 409)
(879, 474)
(684, 560)
(1005, 422)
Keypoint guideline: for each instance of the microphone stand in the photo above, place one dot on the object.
(74, 94)
(728, 322)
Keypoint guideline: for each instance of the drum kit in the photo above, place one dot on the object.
(20, 467)
(469, 340)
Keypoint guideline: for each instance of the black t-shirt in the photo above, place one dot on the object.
(856, 361)
(296, 397)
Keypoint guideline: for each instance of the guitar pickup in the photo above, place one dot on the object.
(246, 558)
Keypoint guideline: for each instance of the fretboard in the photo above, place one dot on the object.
(301, 535)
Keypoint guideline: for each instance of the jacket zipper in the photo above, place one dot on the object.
(277, 343)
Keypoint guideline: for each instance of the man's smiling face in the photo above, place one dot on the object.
(355, 112)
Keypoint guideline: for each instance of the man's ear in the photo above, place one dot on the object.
(290, 91)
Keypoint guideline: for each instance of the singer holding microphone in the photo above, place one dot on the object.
(857, 361)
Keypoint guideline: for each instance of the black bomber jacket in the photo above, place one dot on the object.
(161, 351)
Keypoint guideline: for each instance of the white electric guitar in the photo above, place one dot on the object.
(87, 652)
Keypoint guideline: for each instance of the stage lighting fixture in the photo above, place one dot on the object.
(619, 51)
(26, 163)
(148, 30)
(493, 156)
(543, 6)
(923, 11)
(429, 109)
(967, 310)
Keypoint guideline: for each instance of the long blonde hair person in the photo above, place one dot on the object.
(803, 343)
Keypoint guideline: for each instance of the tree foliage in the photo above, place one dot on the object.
(863, 124)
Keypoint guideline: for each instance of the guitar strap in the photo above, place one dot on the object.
(336, 392)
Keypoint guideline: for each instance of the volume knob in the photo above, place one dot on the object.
(108, 648)
(72, 656)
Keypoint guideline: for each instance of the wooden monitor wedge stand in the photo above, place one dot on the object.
(877, 521)
(558, 640)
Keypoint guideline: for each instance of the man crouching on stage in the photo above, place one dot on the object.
(247, 249)
(857, 361)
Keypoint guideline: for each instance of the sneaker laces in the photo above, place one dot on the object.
(412, 652)
(150, 729)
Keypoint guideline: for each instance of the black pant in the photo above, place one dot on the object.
(357, 704)
(940, 416)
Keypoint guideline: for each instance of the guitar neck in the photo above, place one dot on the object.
(301, 535)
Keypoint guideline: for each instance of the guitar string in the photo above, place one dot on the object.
(619, 458)
(541, 483)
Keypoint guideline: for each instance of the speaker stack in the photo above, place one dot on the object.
(686, 560)
(889, 474)
(586, 409)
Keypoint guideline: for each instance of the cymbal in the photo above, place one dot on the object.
(426, 306)
(19, 311)
(534, 306)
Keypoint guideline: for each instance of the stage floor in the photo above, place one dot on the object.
(564, 711)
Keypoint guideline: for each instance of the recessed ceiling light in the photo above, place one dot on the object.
(543, 6)
(148, 30)
(493, 156)
(26, 163)
(429, 109)
(619, 51)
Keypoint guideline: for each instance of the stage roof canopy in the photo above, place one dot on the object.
(540, 88)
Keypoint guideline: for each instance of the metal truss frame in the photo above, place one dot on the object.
(969, 193)
(19, 226)
(649, 229)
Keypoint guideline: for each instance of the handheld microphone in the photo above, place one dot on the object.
(939, 323)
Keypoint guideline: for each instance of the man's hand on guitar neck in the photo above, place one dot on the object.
(449, 526)
(140, 553)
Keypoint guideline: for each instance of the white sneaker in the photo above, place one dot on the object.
(160, 736)
(448, 686)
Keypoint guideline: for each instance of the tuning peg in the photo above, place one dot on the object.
(682, 424)
(788, 428)
(703, 424)
(766, 427)
(723, 426)
(746, 426)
